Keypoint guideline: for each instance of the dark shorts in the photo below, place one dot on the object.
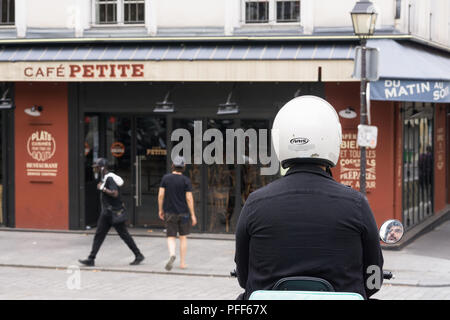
(177, 223)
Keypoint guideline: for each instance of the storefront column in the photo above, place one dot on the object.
(41, 156)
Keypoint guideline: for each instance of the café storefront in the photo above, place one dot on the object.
(75, 103)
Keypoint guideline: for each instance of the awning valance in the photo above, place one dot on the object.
(187, 62)
(411, 72)
(410, 90)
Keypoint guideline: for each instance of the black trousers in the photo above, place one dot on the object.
(103, 225)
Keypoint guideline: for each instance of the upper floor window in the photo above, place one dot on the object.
(256, 11)
(7, 13)
(288, 11)
(265, 11)
(120, 11)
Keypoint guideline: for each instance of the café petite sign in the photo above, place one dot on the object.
(84, 71)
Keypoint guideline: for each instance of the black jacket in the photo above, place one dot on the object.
(307, 224)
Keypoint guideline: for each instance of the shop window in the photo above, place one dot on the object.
(7, 14)
(221, 189)
(418, 162)
(230, 184)
(265, 11)
(120, 11)
(221, 203)
(251, 178)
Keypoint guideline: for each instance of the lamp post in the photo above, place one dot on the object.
(364, 17)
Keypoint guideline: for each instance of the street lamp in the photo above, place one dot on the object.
(364, 17)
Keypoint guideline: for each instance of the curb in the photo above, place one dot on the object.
(118, 270)
(137, 232)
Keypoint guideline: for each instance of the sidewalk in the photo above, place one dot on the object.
(205, 256)
(422, 267)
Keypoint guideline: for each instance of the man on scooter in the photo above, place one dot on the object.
(306, 223)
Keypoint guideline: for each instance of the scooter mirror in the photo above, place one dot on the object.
(391, 231)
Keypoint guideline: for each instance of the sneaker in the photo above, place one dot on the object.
(169, 264)
(137, 260)
(87, 262)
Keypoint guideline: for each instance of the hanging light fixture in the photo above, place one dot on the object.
(5, 103)
(228, 107)
(165, 106)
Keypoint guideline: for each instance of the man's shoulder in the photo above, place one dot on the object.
(278, 186)
(265, 191)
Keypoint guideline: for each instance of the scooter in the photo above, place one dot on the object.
(311, 288)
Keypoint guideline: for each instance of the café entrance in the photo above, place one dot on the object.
(136, 149)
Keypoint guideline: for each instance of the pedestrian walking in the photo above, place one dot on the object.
(113, 213)
(176, 208)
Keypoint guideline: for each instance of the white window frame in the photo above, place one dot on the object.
(120, 5)
(272, 14)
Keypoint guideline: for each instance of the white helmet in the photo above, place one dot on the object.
(307, 129)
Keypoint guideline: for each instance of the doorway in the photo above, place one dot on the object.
(136, 149)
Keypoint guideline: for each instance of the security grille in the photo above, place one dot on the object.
(7, 12)
(418, 162)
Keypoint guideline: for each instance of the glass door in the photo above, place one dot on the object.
(150, 166)
(118, 149)
(135, 147)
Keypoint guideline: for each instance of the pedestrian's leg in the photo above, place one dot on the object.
(103, 226)
(122, 230)
(183, 249)
(172, 245)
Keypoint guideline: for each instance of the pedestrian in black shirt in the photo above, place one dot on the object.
(176, 208)
(306, 223)
(110, 201)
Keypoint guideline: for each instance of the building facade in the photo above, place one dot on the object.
(117, 78)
